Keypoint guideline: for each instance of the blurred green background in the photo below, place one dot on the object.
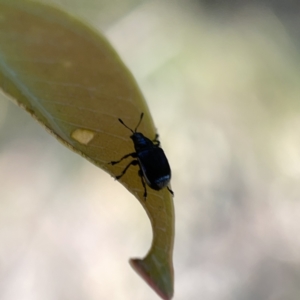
(222, 81)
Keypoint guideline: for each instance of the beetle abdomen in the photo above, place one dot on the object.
(155, 167)
(160, 182)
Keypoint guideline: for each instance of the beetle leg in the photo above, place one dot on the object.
(134, 163)
(156, 141)
(133, 154)
(172, 193)
(143, 183)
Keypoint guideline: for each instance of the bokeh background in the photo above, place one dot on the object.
(222, 81)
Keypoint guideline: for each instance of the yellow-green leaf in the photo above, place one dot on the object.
(70, 79)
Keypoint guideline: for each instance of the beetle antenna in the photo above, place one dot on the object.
(125, 125)
(141, 117)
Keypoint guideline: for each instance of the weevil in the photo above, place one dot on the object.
(154, 168)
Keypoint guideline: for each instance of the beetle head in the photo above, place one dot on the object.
(140, 141)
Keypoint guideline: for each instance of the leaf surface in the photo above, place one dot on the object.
(71, 80)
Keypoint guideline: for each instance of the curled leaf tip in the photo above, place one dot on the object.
(161, 281)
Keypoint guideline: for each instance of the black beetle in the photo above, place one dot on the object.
(153, 163)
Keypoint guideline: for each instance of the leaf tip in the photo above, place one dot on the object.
(143, 268)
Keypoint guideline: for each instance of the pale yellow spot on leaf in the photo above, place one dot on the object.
(67, 64)
(83, 136)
